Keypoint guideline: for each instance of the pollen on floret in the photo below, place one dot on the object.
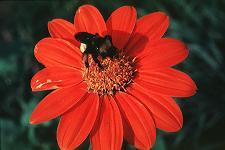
(117, 73)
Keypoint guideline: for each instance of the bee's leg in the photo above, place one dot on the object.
(95, 58)
(85, 59)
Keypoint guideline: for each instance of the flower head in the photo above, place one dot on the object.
(129, 97)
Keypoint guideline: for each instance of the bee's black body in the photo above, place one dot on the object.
(96, 45)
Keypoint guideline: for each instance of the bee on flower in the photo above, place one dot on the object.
(112, 80)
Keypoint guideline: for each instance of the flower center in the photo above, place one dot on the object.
(115, 75)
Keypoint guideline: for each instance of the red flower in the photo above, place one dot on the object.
(129, 98)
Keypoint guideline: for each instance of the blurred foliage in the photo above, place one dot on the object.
(199, 23)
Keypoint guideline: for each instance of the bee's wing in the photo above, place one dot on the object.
(107, 49)
(105, 45)
(84, 37)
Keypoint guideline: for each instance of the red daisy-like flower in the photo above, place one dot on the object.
(128, 98)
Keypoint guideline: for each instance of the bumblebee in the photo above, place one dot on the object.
(95, 45)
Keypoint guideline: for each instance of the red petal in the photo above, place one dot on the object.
(57, 52)
(56, 103)
(89, 19)
(164, 53)
(76, 124)
(107, 133)
(60, 28)
(148, 29)
(139, 127)
(121, 24)
(165, 111)
(55, 77)
(167, 82)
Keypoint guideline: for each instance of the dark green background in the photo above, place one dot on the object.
(199, 23)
